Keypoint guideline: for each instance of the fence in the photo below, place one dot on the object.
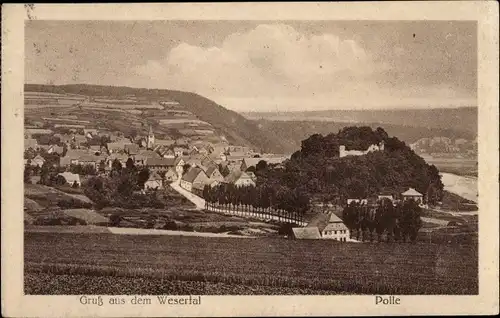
(255, 212)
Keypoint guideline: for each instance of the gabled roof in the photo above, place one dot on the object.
(164, 162)
(89, 157)
(70, 177)
(334, 219)
(306, 233)
(154, 176)
(132, 148)
(335, 227)
(211, 169)
(120, 157)
(38, 157)
(191, 175)
(411, 193)
(149, 153)
(178, 160)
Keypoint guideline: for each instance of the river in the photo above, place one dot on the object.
(465, 187)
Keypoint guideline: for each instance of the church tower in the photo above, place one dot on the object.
(151, 138)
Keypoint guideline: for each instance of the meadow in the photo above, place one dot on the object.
(100, 263)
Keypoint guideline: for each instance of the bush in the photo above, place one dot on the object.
(114, 219)
(171, 225)
(73, 204)
(286, 229)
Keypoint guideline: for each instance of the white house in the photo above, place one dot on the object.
(154, 181)
(335, 230)
(413, 194)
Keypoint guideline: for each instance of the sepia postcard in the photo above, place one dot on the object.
(250, 159)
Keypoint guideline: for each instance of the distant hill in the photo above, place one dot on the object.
(463, 119)
(227, 124)
(291, 133)
(131, 110)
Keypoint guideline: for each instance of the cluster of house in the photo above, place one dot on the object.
(166, 159)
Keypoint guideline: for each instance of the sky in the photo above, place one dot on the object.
(266, 65)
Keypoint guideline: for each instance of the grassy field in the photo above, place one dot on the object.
(62, 263)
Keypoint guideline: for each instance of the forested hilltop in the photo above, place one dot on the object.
(318, 171)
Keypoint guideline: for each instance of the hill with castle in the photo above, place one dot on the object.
(356, 162)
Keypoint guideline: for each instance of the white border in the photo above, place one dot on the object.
(485, 12)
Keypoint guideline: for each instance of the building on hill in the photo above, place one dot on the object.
(412, 194)
(239, 179)
(344, 153)
(154, 181)
(71, 178)
(194, 176)
(335, 229)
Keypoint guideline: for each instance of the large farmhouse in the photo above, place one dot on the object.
(335, 229)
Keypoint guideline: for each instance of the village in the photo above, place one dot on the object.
(187, 167)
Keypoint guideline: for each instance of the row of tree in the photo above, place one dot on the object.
(400, 222)
(266, 200)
